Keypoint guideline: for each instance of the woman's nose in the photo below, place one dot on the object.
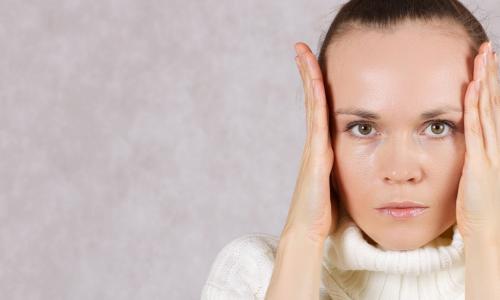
(402, 175)
(400, 163)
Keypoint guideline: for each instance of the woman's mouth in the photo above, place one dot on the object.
(402, 212)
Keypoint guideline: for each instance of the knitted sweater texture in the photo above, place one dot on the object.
(352, 268)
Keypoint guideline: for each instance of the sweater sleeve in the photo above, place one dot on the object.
(242, 269)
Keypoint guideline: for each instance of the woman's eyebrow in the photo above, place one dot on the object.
(370, 115)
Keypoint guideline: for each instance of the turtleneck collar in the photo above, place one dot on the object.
(346, 249)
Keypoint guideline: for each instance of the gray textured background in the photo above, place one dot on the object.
(137, 138)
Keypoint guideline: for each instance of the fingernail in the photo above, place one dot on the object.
(488, 47)
(477, 85)
(484, 58)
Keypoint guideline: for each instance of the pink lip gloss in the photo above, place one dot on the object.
(403, 212)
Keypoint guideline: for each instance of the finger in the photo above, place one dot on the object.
(306, 87)
(472, 125)
(302, 49)
(486, 108)
(493, 78)
(320, 136)
(311, 71)
(494, 84)
(318, 99)
(313, 66)
(300, 66)
(319, 133)
(302, 71)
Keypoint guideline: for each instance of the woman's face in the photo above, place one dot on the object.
(399, 151)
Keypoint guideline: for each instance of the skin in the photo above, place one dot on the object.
(403, 160)
(399, 157)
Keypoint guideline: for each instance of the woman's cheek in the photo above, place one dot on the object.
(359, 161)
(355, 148)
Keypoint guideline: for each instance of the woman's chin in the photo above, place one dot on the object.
(399, 241)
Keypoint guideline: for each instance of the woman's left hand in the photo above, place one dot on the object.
(478, 199)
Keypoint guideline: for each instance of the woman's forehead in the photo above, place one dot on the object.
(413, 64)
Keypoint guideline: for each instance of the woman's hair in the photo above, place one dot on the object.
(385, 15)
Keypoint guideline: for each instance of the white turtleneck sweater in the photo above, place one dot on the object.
(351, 268)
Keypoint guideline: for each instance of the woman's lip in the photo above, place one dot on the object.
(402, 204)
(402, 212)
(406, 206)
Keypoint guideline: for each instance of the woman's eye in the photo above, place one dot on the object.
(434, 129)
(364, 129)
(438, 128)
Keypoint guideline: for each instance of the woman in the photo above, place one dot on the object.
(403, 121)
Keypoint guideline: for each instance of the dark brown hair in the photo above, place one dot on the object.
(385, 15)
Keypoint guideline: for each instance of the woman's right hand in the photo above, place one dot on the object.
(297, 267)
(311, 211)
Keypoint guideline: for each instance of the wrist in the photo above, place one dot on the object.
(483, 239)
(482, 265)
(297, 267)
(483, 250)
(303, 235)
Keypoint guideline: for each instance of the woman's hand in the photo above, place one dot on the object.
(478, 200)
(311, 211)
(297, 267)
